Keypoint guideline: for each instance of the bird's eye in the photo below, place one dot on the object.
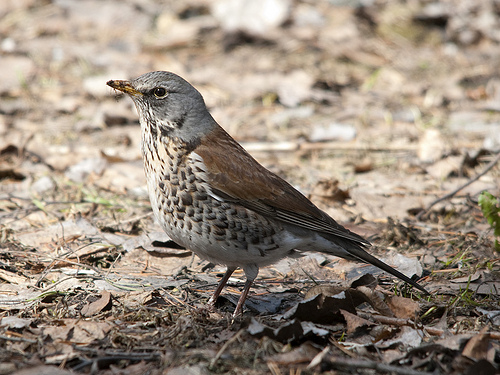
(159, 92)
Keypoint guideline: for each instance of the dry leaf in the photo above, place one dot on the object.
(329, 190)
(97, 306)
(13, 278)
(479, 347)
(404, 308)
(354, 322)
(43, 370)
(77, 331)
(304, 353)
(363, 166)
(375, 299)
(289, 332)
(326, 290)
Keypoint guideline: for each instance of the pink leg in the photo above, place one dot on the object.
(221, 285)
(243, 297)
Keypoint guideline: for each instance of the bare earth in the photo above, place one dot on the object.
(373, 109)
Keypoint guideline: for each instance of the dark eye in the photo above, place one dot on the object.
(159, 92)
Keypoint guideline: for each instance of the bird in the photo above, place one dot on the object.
(212, 197)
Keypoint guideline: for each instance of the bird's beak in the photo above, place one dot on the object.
(124, 86)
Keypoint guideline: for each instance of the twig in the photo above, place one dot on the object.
(21, 339)
(105, 361)
(273, 367)
(490, 165)
(402, 322)
(313, 146)
(224, 347)
(407, 322)
(352, 363)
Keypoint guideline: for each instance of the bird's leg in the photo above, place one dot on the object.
(221, 285)
(243, 297)
(251, 272)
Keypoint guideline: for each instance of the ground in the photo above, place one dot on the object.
(373, 109)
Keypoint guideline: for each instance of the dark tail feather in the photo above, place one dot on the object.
(359, 253)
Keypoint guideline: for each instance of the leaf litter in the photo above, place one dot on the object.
(376, 112)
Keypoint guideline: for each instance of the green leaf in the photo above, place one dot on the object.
(490, 206)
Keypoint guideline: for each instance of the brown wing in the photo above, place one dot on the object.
(236, 176)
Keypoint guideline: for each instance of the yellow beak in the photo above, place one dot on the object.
(124, 86)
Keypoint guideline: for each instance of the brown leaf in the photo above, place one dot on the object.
(326, 290)
(444, 168)
(363, 166)
(375, 300)
(404, 308)
(479, 347)
(482, 367)
(330, 299)
(304, 353)
(77, 331)
(290, 331)
(328, 190)
(325, 309)
(367, 280)
(13, 278)
(354, 322)
(97, 306)
(467, 279)
(320, 309)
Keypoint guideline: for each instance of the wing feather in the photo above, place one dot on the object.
(236, 176)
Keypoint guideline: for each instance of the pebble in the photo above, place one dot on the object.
(256, 17)
(43, 185)
(79, 172)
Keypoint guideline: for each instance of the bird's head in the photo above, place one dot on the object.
(168, 105)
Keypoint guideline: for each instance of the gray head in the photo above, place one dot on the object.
(168, 105)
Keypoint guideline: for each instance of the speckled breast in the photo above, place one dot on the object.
(182, 202)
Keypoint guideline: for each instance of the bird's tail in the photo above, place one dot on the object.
(356, 251)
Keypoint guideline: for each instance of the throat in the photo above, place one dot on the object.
(161, 154)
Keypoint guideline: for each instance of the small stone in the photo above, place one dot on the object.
(431, 146)
(8, 45)
(333, 131)
(79, 172)
(256, 17)
(43, 184)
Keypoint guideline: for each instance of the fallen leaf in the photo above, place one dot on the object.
(375, 299)
(329, 190)
(14, 322)
(290, 332)
(13, 278)
(43, 370)
(332, 131)
(442, 169)
(404, 308)
(304, 353)
(363, 166)
(97, 306)
(480, 347)
(77, 331)
(354, 322)
(407, 336)
(467, 279)
(326, 290)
